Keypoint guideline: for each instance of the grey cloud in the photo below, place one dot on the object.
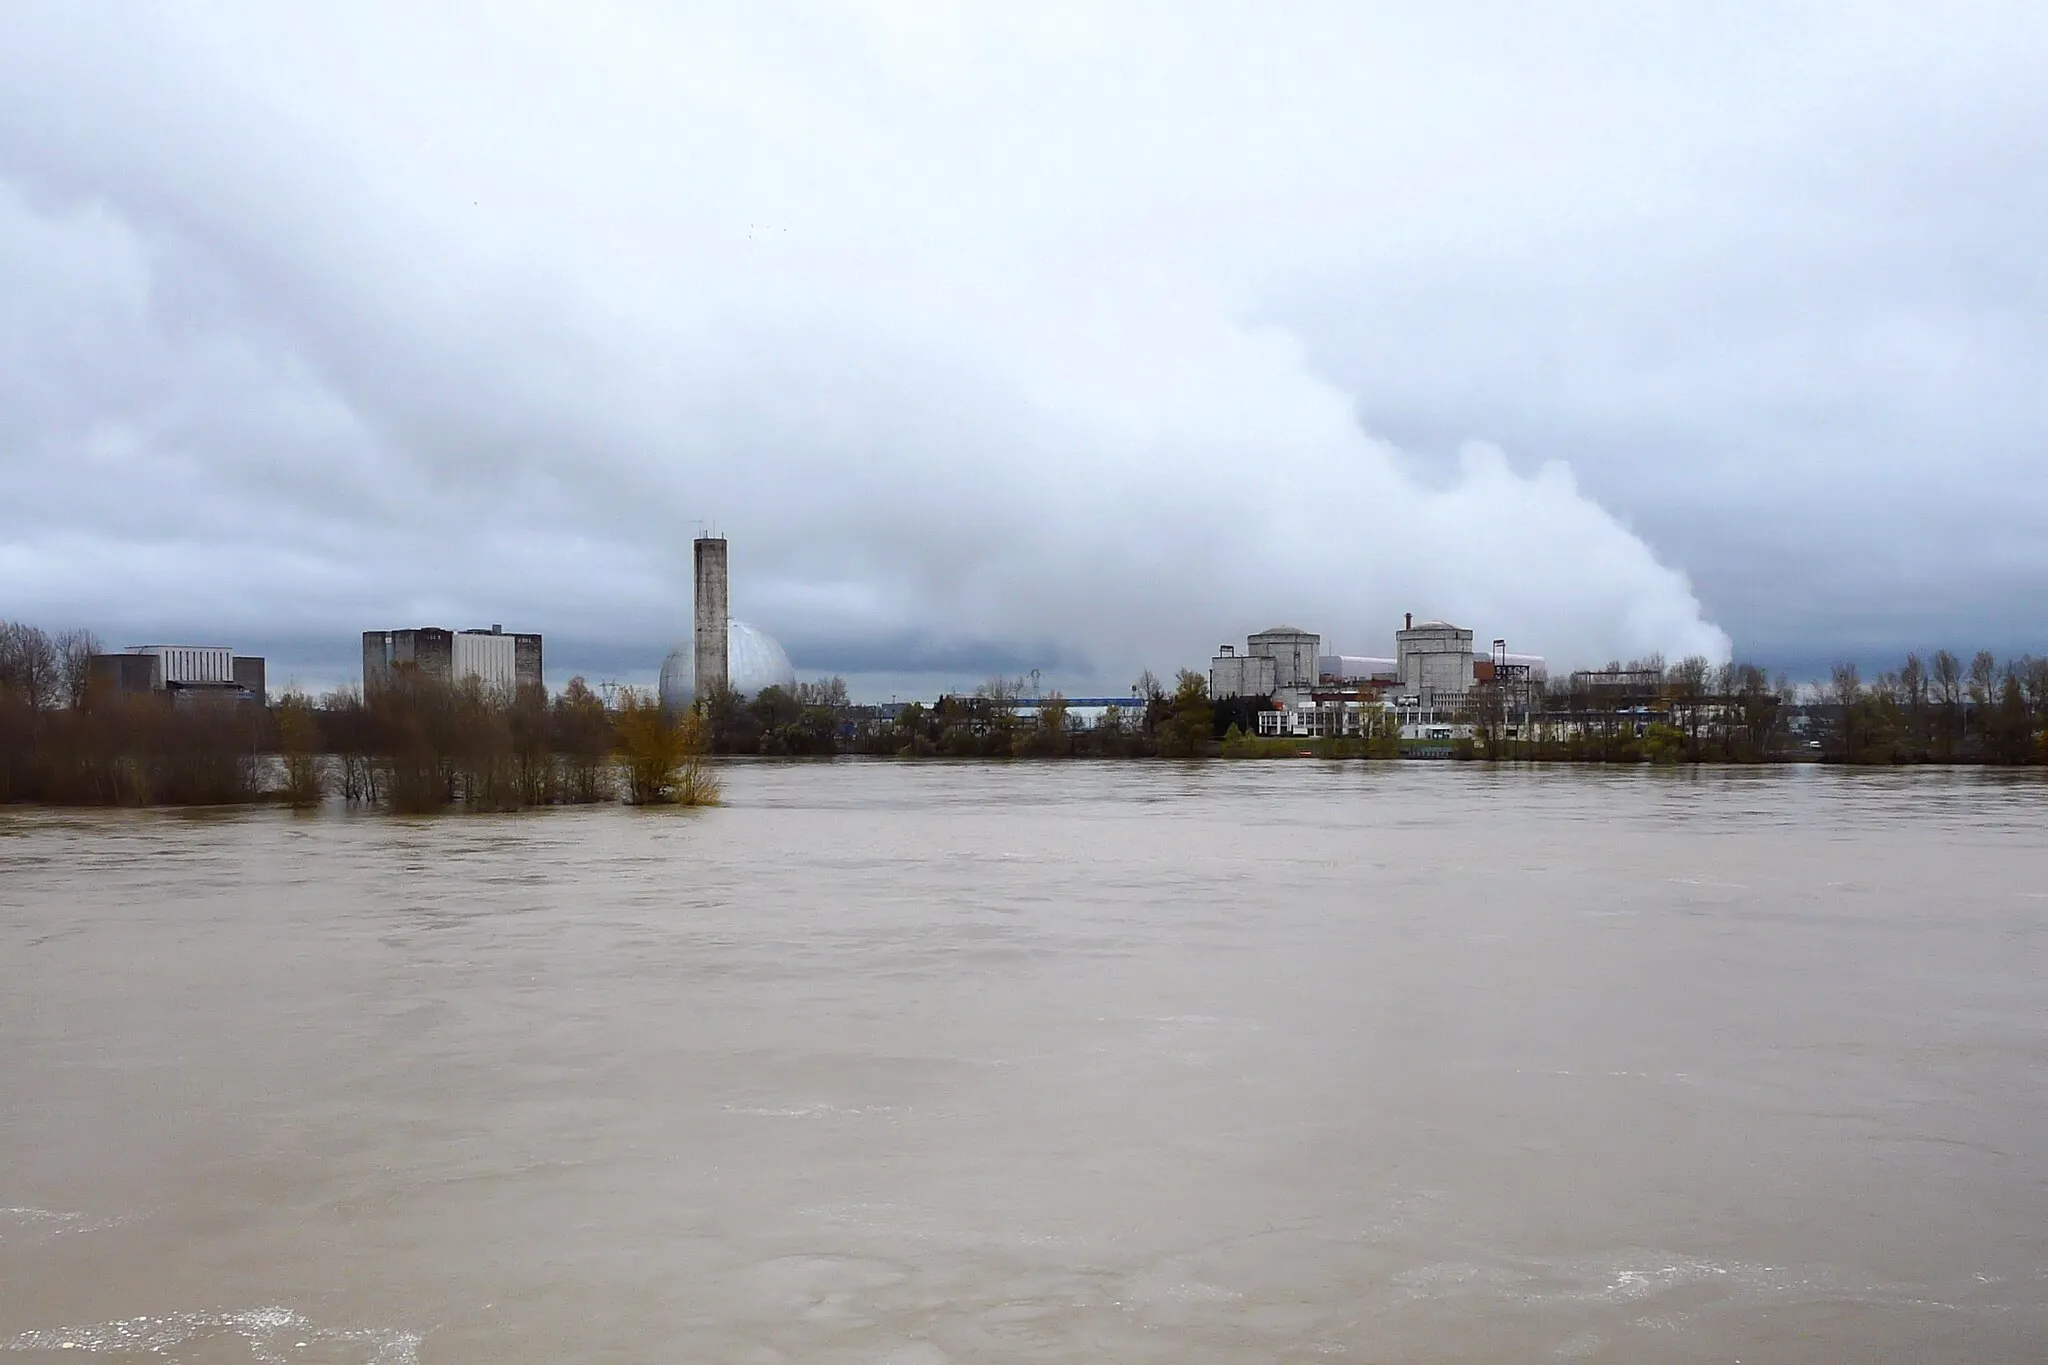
(995, 349)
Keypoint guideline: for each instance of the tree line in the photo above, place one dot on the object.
(415, 746)
(1941, 711)
(1935, 709)
(420, 746)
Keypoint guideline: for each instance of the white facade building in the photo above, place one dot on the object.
(1311, 722)
(1326, 718)
(485, 656)
(184, 665)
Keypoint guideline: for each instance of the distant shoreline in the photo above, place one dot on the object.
(275, 796)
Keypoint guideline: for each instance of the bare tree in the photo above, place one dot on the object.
(298, 734)
(1846, 690)
(30, 669)
(829, 692)
(2036, 685)
(347, 730)
(75, 649)
(1486, 707)
(1760, 707)
(1913, 686)
(1983, 678)
(1947, 673)
(582, 736)
(1688, 680)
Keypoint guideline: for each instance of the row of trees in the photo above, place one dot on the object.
(1932, 710)
(1639, 712)
(990, 723)
(415, 746)
(1941, 711)
(809, 721)
(418, 746)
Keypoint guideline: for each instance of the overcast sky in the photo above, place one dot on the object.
(1079, 338)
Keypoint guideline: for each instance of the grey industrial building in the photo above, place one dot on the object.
(1232, 674)
(494, 658)
(182, 672)
(1273, 660)
(1433, 659)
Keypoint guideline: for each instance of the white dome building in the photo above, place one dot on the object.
(753, 663)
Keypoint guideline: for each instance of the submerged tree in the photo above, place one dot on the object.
(664, 754)
(298, 744)
(583, 743)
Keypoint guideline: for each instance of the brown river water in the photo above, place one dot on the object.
(1135, 1062)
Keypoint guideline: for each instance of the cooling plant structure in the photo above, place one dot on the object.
(722, 652)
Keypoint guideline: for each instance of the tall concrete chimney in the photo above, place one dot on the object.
(712, 616)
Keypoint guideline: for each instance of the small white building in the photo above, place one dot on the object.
(1325, 717)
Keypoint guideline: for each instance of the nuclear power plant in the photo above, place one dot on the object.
(721, 652)
(1423, 690)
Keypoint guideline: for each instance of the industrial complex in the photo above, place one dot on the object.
(1423, 692)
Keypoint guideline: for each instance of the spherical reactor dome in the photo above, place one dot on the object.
(753, 662)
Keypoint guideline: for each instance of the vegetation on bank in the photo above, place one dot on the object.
(1933, 710)
(412, 748)
(416, 747)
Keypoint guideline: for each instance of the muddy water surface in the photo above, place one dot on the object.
(956, 1063)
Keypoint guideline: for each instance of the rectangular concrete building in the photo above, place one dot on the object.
(1232, 674)
(491, 656)
(124, 673)
(185, 671)
(1435, 658)
(1294, 652)
(426, 652)
(249, 676)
